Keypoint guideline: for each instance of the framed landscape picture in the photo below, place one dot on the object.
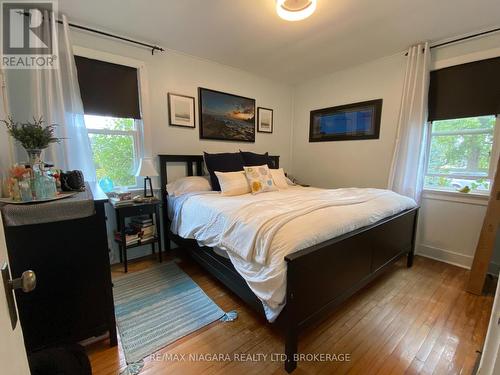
(346, 122)
(264, 120)
(181, 110)
(225, 116)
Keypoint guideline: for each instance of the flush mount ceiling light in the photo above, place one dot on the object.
(295, 10)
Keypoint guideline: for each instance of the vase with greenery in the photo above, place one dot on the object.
(33, 136)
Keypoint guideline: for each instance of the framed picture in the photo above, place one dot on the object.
(225, 116)
(346, 122)
(181, 110)
(264, 120)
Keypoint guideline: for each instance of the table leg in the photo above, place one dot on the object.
(158, 232)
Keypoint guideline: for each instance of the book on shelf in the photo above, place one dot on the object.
(144, 221)
(130, 239)
(116, 202)
(150, 228)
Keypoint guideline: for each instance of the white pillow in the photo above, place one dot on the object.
(189, 184)
(233, 183)
(279, 178)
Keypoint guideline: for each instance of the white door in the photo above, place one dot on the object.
(12, 351)
(490, 360)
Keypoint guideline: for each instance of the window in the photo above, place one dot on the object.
(111, 103)
(460, 153)
(115, 147)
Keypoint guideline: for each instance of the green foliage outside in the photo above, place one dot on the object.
(463, 155)
(114, 154)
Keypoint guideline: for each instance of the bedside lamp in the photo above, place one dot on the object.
(147, 169)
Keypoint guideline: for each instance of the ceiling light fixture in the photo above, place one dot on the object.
(295, 10)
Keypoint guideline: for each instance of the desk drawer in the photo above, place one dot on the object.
(137, 210)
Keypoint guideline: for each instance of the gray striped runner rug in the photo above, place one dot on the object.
(157, 306)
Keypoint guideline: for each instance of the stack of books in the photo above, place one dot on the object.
(130, 239)
(145, 226)
(116, 202)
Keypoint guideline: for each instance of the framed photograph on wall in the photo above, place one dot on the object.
(181, 110)
(346, 122)
(264, 120)
(226, 116)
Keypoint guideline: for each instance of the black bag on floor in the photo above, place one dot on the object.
(62, 360)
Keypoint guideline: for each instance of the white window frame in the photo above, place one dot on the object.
(494, 155)
(136, 136)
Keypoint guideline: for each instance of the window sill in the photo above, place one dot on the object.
(455, 196)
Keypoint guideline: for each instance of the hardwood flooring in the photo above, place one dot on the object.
(408, 321)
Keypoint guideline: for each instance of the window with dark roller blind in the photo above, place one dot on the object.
(108, 89)
(465, 90)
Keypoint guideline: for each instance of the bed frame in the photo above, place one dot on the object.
(320, 277)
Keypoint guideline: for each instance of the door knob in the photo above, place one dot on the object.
(27, 282)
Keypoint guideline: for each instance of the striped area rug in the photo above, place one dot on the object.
(157, 306)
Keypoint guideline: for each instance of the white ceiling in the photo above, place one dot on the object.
(248, 34)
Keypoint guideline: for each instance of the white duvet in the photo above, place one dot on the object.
(258, 231)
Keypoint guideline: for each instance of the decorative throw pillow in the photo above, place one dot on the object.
(224, 162)
(251, 159)
(279, 178)
(189, 184)
(233, 183)
(260, 179)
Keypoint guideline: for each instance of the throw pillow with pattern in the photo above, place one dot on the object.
(260, 179)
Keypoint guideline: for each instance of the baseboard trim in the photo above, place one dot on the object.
(443, 255)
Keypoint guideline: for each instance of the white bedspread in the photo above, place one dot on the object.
(258, 231)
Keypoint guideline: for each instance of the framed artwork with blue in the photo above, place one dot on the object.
(226, 117)
(346, 122)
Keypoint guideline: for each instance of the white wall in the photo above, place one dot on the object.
(182, 74)
(348, 163)
(448, 227)
(171, 71)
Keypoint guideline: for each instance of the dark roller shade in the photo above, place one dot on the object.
(465, 90)
(108, 89)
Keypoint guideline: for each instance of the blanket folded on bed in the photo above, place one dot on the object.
(250, 230)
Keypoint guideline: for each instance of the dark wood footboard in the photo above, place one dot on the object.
(323, 276)
(320, 277)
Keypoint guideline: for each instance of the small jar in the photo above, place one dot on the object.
(25, 190)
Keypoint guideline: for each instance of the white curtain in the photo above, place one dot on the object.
(408, 164)
(55, 95)
(6, 150)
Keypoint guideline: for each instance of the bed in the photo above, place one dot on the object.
(316, 278)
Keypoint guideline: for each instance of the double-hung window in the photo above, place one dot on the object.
(110, 96)
(461, 154)
(464, 127)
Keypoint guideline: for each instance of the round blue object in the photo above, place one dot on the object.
(106, 184)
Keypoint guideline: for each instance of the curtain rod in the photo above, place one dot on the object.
(463, 38)
(153, 47)
(466, 37)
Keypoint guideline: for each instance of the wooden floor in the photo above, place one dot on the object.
(417, 320)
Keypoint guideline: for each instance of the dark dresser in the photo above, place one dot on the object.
(73, 299)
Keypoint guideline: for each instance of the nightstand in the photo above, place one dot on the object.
(145, 209)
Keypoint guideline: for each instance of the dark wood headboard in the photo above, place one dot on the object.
(194, 167)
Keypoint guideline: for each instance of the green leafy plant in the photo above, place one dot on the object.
(32, 135)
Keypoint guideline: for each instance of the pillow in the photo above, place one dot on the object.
(279, 178)
(260, 179)
(233, 183)
(225, 162)
(188, 185)
(251, 159)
